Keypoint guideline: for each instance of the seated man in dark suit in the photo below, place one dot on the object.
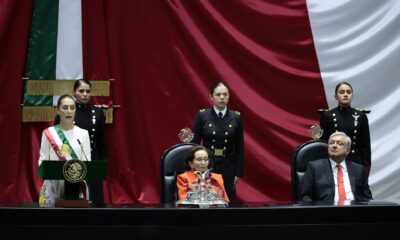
(335, 179)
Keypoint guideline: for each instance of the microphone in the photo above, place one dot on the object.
(80, 144)
(50, 151)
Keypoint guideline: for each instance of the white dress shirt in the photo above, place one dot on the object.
(218, 111)
(347, 186)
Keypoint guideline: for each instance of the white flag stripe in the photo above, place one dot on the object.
(69, 61)
(69, 40)
(358, 43)
(56, 138)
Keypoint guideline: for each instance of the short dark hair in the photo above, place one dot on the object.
(79, 82)
(190, 154)
(217, 84)
(343, 83)
(62, 98)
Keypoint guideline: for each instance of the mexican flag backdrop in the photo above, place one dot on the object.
(281, 60)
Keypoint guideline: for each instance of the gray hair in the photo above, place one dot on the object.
(348, 140)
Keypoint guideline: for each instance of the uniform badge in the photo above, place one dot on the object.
(356, 116)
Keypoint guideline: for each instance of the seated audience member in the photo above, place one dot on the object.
(335, 179)
(197, 160)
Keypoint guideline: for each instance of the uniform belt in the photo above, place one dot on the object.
(218, 152)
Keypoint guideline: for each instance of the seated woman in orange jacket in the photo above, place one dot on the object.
(197, 159)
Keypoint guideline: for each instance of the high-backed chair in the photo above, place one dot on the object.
(302, 155)
(172, 164)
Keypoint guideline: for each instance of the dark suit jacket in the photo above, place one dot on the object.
(318, 183)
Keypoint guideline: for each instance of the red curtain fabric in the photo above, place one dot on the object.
(16, 179)
(164, 56)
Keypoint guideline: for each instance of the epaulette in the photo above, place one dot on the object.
(202, 110)
(322, 110)
(363, 110)
(103, 106)
(237, 113)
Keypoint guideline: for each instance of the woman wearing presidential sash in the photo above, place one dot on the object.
(63, 142)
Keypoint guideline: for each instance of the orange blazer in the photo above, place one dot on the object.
(185, 183)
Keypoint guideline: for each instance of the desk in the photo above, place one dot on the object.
(160, 220)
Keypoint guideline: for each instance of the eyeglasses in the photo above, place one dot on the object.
(202, 159)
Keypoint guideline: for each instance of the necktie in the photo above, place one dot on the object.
(342, 193)
(220, 115)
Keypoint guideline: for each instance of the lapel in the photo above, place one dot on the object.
(228, 116)
(191, 176)
(328, 172)
(213, 117)
(220, 124)
(352, 177)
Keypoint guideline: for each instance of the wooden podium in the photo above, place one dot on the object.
(54, 170)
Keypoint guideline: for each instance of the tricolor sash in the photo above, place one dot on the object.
(60, 143)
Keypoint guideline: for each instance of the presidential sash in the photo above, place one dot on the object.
(60, 143)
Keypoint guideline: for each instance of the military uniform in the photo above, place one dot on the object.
(92, 119)
(354, 123)
(224, 137)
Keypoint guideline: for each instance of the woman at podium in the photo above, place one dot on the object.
(63, 142)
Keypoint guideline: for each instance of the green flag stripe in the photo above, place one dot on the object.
(65, 141)
(41, 59)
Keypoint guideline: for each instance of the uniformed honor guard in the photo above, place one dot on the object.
(92, 119)
(353, 122)
(221, 131)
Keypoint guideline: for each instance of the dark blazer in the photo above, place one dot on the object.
(318, 183)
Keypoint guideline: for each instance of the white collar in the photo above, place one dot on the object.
(342, 164)
(218, 111)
